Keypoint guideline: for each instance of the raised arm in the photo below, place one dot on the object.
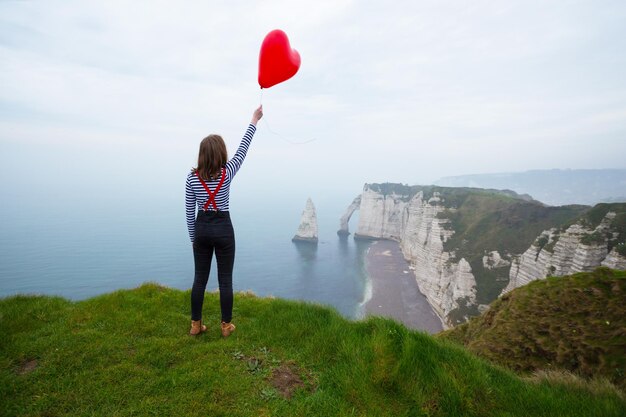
(234, 164)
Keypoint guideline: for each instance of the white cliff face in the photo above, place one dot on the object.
(307, 231)
(578, 249)
(381, 216)
(614, 260)
(414, 223)
(443, 281)
(464, 284)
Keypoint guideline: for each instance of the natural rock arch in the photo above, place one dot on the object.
(345, 219)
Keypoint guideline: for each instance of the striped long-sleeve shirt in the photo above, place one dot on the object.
(196, 195)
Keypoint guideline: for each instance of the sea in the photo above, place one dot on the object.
(77, 251)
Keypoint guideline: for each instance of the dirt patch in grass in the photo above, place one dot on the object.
(26, 367)
(286, 380)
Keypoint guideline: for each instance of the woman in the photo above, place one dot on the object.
(208, 189)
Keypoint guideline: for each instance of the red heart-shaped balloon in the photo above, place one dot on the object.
(277, 61)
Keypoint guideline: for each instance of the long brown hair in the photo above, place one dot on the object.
(211, 157)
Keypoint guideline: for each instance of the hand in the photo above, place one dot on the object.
(256, 116)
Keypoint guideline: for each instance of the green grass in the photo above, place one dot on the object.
(453, 196)
(575, 323)
(128, 354)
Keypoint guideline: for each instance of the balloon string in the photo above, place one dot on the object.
(267, 125)
(284, 138)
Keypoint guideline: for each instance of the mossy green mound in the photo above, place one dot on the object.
(575, 323)
(128, 353)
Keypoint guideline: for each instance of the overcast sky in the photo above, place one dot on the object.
(118, 92)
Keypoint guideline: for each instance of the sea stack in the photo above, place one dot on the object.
(307, 231)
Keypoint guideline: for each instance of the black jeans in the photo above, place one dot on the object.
(214, 233)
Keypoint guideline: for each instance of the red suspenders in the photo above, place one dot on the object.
(212, 195)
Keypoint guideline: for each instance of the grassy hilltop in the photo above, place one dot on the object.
(577, 323)
(127, 353)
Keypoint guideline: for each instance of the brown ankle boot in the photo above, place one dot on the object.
(197, 327)
(227, 329)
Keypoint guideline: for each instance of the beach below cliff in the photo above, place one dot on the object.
(394, 290)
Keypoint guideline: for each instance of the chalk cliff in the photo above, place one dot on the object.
(614, 260)
(412, 219)
(466, 246)
(580, 248)
(382, 215)
(307, 231)
(447, 283)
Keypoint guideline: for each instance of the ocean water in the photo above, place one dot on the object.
(78, 251)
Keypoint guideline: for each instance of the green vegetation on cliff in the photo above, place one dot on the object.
(618, 226)
(486, 222)
(128, 353)
(454, 197)
(575, 323)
